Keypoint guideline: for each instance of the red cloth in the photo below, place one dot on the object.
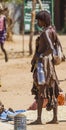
(34, 105)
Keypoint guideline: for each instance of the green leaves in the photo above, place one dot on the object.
(17, 1)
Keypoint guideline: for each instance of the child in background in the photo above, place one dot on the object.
(3, 32)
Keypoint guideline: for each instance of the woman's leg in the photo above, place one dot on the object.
(55, 107)
(54, 120)
(39, 107)
(4, 51)
(39, 112)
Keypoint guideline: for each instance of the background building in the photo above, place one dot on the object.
(60, 14)
(57, 9)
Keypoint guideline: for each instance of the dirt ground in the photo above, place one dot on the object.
(16, 78)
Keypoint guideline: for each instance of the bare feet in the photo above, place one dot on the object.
(53, 122)
(37, 122)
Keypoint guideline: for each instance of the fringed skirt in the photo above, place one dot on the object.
(50, 85)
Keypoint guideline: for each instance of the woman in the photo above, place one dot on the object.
(43, 57)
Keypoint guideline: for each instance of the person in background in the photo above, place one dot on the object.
(3, 32)
(45, 81)
(9, 25)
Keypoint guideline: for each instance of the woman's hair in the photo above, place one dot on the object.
(44, 16)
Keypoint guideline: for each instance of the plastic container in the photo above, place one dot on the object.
(40, 74)
(20, 122)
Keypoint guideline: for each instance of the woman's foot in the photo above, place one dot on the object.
(37, 122)
(53, 122)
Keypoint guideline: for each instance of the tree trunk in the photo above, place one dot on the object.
(40, 3)
(32, 26)
(23, 27)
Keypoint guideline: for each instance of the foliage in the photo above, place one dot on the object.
(18, 1)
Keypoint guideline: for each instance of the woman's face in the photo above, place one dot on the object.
(41, 23)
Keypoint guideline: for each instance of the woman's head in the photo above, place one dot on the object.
(44, 18)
